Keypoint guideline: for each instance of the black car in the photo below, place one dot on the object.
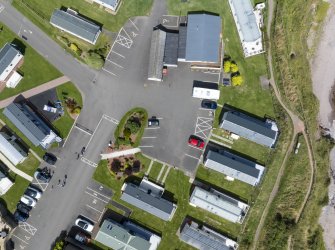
(42, 176)
(50, 158)
(23, 208)
(209, 104)
(20, 216)
(153, 122)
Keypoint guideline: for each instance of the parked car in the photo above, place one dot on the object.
(50, 158)
(33, 193)
(21, 216)
(42, 176)
(84, 224)
(23, 208)
(153, 122)
(28, 200)
(82, 238)
(209, 104)
(196, 141)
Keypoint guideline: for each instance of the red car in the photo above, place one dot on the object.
(196, 141)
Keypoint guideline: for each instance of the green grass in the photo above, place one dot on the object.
(13, 128)
(64, 124)
(32, 74)
(240, 189)
(14, 194)
(129, 8)
(155, 169)
(29, 165)
(177, 184)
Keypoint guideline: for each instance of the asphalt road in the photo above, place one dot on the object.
(108, 94)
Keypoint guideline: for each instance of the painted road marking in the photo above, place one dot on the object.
(134, 24)
(98, 193)
(111, 119)
(110, 72)
(115, 63)
(94, 208)
(28, 228)
(96, 197)
(88, 162)
(118, 54)
(192, 156)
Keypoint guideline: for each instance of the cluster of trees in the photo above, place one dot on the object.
(72, 105)
(129, 167)
(231, 67)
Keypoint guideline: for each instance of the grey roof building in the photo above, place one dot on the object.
(203, 41)
(234, 166)
(182, 43)
(156, 55)
(30, 124)
(220, 204)
(261, 132)
(171, 49)
(126, 236)
(11, 149)
(148, 197)
(109, 4)
(71, 22)
(9, 59)
(204, 238)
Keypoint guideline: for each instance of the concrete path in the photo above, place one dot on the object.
(161, 172)
(150, 166)
(131, 151)
(166, 174)
(14, 169)
(37, 90)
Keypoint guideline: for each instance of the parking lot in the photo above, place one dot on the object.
(125, 42)
(94, 201)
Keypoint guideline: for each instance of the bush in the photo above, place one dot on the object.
(123, 141)
(226, 66)
(76, 110)
(126, 133)
(59, 245)
(233, 67)
(64, 40)
(133, 126)
(237, 80)
(94, 60)
(74, 47)
(116, 165)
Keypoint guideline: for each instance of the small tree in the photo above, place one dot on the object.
(59, 245)
(226, 66)
(233, 67)
(76, 110)
(237, 80)
(126, 133)
(116, 166)
(133, 126)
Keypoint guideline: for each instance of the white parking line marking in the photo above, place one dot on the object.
(201, 149)
(151, 146)
(203, 125)
(93, 208)
(28, 228)
(83, 130)
(110, 72)
(111, 119)
(95, 130)
(20, 239)
(98, 193)
(134, 24)
(75, 122)
(192, 156)
(153, 128)
(88, 162)
(149, 137)
(90, 219)
(118, 54)
(103, 211)
(115, 63)
(96, 197)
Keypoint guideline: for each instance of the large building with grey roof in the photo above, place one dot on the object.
(31, 125)
(203, 39)
(148, 197)
(10, 59)
(248, 22)
(204, 238)
(234, 166)
(219, 204)
(71, 22)
(155, 70)
(126, 236)
(261, 132)
(12, 149)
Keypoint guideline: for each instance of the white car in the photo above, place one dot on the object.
(33, 193)
(84, 224)
(31, 202)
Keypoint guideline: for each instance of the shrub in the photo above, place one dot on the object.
(70, 103)
(64, 40)
(128, 171)
(226, 66)
(233, 67)
(94, 60)
(237, 80)
(133, 126)
(59, 245)
(123, 141)
(126, 133)
(116, 165)
(76, 110)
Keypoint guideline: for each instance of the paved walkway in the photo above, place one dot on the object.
(131, 151)
(14, 169)
(37, 90)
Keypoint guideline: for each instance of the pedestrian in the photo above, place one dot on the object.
(59, 182)
(65, 176)
(78, 156)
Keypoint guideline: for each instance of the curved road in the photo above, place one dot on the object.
(298, 127)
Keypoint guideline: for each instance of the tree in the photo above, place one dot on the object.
(59, 245)
(237, 80)
(133, 126)
(94, 60)
(126, 133)
(116, 165)
(233, 67)
(226, 66)
(76, 110)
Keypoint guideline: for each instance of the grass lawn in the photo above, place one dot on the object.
(14, 194)
(32, 74)
(29, 165)
(13, 128)
(64, 124)
(155, 169)
(243, 191)
(177, 184)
